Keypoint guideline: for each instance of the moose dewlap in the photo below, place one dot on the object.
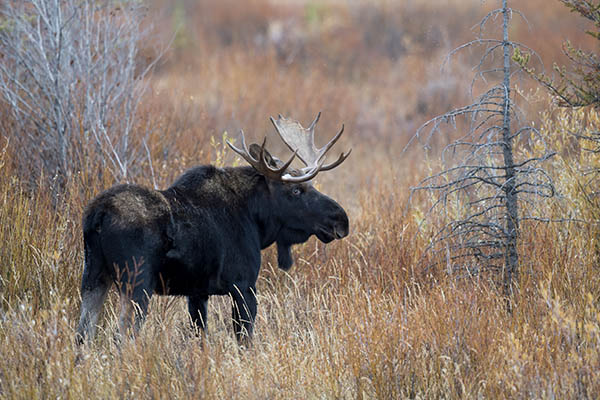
(203, 235)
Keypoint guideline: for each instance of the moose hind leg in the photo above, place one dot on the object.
(197, 307)
(92, 299)
(136, 285)
(244, 313)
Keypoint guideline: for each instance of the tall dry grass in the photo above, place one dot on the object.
(358, 318)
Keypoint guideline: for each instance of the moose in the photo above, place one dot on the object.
(203, 236)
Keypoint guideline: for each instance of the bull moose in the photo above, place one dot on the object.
(203, 236)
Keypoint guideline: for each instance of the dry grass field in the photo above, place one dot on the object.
(360, 318)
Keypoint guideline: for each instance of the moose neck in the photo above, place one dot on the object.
(268, 224)
(243, 191)
(261, 204)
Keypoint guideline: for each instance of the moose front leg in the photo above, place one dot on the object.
(197, 306)
(244, 313)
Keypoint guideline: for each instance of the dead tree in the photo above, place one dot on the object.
(484, 190)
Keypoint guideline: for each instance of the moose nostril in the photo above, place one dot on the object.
(341, 230)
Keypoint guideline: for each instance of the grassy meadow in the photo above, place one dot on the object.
(360, 318)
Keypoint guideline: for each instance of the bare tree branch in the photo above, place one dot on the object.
(482, 184)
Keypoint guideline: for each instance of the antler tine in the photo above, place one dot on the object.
(314, 123)
(261, 155)
(261, 165)
(288, 163)
(337, 162)
(244, 152)
(323, 150)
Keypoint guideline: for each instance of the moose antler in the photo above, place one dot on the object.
(302, 141)
(262, 166)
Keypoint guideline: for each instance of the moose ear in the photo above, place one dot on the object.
(271, 161)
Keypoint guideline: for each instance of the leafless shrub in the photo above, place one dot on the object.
(72, 83)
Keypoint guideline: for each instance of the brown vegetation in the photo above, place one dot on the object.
(359, 318)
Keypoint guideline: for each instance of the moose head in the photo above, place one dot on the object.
(303, 210)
